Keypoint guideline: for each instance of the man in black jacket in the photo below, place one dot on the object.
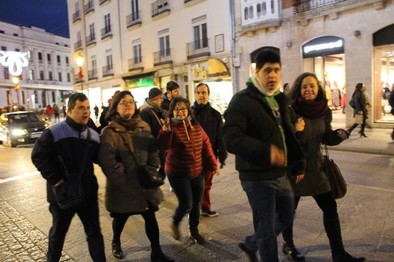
(71, 147)
(258, 131)
(212, 123)
(173, 90)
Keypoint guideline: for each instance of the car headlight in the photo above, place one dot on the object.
(18, 132)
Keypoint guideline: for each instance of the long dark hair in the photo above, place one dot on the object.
(116, 99)
(177, 100)
(295, 90)
(358, 88)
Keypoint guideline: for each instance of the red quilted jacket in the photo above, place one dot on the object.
(188, 150)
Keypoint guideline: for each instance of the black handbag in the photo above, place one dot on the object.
(337, 182)
(352, 103)
(70, 193)
(149, 176)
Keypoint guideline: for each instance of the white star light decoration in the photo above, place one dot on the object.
(14, 61)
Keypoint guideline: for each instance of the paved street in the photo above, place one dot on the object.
(367, 214)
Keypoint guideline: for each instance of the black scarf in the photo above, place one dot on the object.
(310, 109)
(129, 124)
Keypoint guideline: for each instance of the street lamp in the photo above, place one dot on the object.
(80, 61)
(15, 81)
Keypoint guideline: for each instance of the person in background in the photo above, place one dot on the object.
(127, 135)
(153, 114)
(258, 130)
(188, 149)
(103, 121)
(56, 111)
(391, 102)
(286, 88)
(211, 121)
(96, 112)
(63, 145)
(343, 100)
(361, 102)
(313, 128)
(173, 90)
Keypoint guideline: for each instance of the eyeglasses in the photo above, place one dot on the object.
(126, 102)
(180, 109)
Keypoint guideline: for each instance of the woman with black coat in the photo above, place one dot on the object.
(360, 102)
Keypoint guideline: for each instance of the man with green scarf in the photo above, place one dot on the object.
(259, 132)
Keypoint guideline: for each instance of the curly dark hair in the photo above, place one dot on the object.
(112, 112)
(295, 90)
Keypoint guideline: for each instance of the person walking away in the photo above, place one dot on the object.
(96, 112)
(310, 105)
(360, 101)
(343, 99)
(211, 121)
(125, 139)
(188, 149)
(391, 102)
(56, 111)
(60, 147)
(153, 114)
(257, 129)
(173, 90)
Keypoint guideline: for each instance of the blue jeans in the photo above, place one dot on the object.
(189, 193)
(272, 204)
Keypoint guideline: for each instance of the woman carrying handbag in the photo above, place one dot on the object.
(313, 127)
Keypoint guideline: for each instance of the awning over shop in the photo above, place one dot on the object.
(217, 68)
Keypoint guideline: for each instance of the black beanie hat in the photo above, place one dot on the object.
(267, 56)
(155, 93)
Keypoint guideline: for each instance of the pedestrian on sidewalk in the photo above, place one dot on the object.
(310, 104)
(391, 102)
(125, 139)
(361, 103)
(172, 90)
(61, 148)
(188, 151)
(257, 129)
(211, 121)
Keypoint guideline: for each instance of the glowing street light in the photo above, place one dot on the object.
(80, 60)
(15, 81)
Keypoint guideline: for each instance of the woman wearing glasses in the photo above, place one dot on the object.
(125, 136)
(188, 150)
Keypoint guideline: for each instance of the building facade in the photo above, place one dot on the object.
(139, 44)
(45, 79)
(343, 41)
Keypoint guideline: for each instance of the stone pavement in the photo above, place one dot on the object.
(367, 217)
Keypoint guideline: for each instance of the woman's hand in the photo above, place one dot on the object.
(299, 125)
(165, 124)
(299, 178)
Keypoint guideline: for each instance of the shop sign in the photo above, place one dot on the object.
(322, 46)
(14, 61)
(144, 81)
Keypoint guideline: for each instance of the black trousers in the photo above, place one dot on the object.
(61, 220)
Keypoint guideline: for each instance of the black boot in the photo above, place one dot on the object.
(157, 255)
(349, 131)
(291, 252)
(333, 231)
(362, 133)
(117, 250)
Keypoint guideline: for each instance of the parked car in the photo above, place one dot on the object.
(21, 127)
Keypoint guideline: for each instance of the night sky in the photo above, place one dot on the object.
(50, 15)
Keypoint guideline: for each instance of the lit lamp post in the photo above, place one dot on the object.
(15, 81)
(80, 60)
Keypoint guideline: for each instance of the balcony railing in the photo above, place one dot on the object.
(106, 32)
(160, 7)
(135, 63)
(198, 48)
(303, 6)
(133, 19)
(78, 45)
(92, 74)
(162, 57)
(76, 16)
(91, 39)
(103, 1)
(89, 7)
(108, 70)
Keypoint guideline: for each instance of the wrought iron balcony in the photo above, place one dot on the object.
(76, 16)
(92, 74)
(133, 19)
(198, 48)
(162, 57)
(89, 7)
(135, 63)
(108, 70)
(91, 39)
(106, 32)
(302, 6)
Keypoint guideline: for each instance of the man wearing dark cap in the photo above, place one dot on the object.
(153, 114)
(173, 90)
(259, 132)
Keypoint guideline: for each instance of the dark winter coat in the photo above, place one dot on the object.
(152, 116)
(249, 130)
(124, 195)
(316, 132)
(65, 142)
(166, 102)
(188, 150)
(211, 121)
(361, 102)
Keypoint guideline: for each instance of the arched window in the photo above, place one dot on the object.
(258, 10)
(264, 11)
(251, 12)
(246, 13)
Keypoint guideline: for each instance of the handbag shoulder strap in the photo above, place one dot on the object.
(157, 118)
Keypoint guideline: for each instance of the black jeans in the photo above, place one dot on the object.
(189, 193)
(61, 220)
